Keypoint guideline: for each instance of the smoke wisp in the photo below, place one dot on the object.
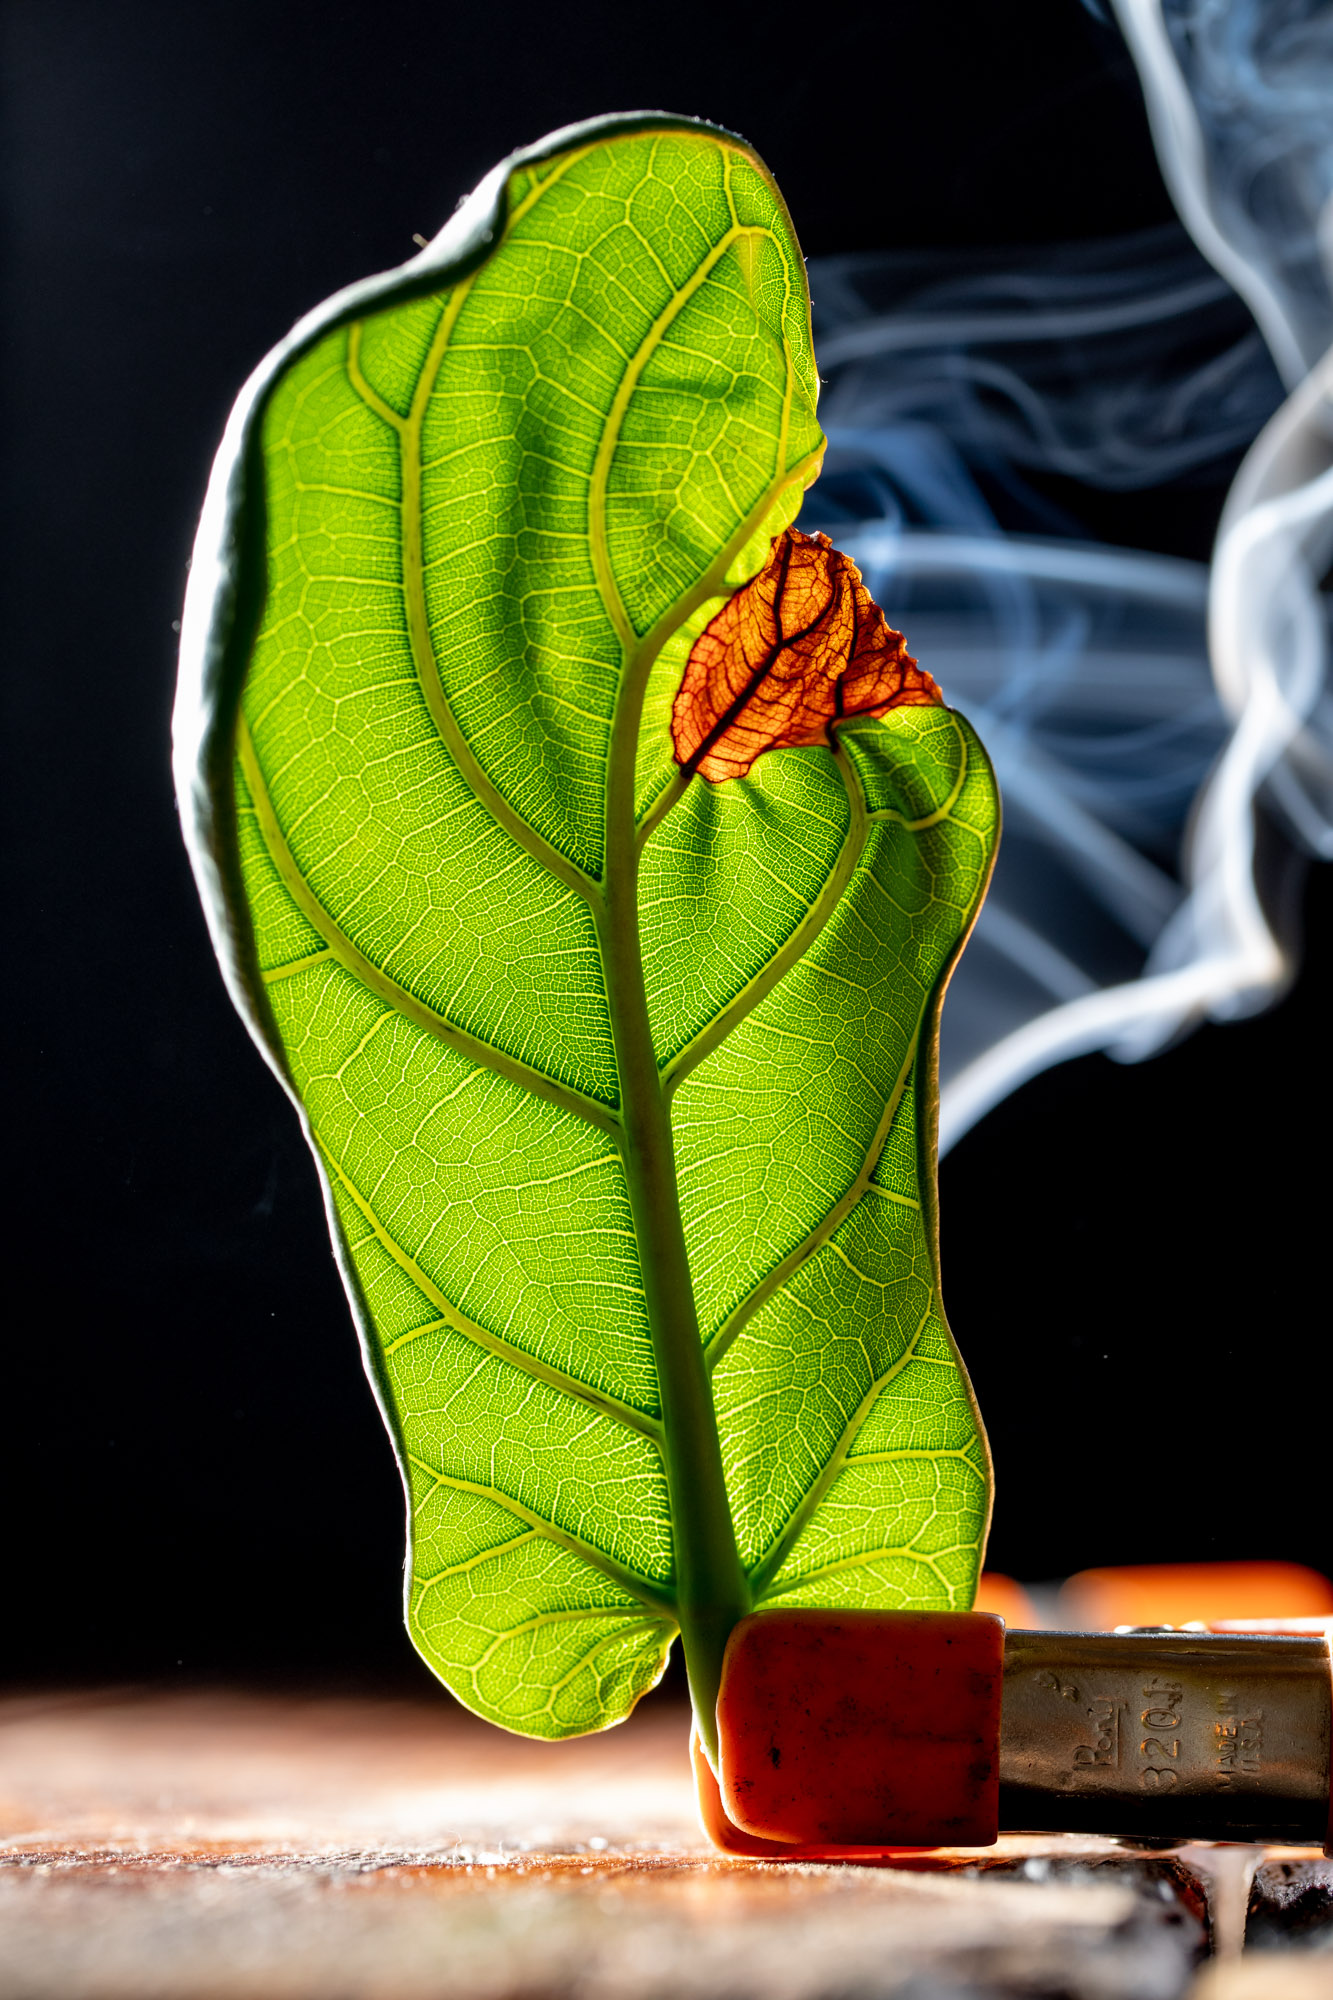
(1137, 706)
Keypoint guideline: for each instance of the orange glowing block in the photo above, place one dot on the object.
(1096, 1600)
(1005, 1599)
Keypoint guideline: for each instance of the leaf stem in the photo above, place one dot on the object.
(712, 1592)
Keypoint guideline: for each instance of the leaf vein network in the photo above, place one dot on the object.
(381, 983)
(657, 1597)
(767, 1569)
(489, 1342)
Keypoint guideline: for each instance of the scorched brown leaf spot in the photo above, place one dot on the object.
(798, 649)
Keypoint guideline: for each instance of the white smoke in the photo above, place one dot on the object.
(1136, 706)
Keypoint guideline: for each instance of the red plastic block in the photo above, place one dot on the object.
(863, 1728)
(719, 1828)
(731, 1840)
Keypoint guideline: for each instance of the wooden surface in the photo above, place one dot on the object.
(224, 1845)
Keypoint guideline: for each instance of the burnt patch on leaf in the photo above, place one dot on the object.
(798, 649)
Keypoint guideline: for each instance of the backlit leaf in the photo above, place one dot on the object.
(620, 1082)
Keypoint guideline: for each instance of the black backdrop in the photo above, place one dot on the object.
(195, 1477)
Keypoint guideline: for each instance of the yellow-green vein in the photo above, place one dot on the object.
(274, 973)
(470, 768)
(823, 1229)
(480, 1336)
(869, 1559)
(941, 812)
(379, 982)
(889, 1194)
(607, 586)
(585, 1665)
(764, 1572)
(658, 1597)
(356, 376)
(478, 1561)
(793, 949)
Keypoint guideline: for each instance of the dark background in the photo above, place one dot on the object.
(195, 1478)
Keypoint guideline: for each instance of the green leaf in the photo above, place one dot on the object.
(621, 1088)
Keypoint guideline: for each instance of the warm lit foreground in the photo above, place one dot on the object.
(200, 1845)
